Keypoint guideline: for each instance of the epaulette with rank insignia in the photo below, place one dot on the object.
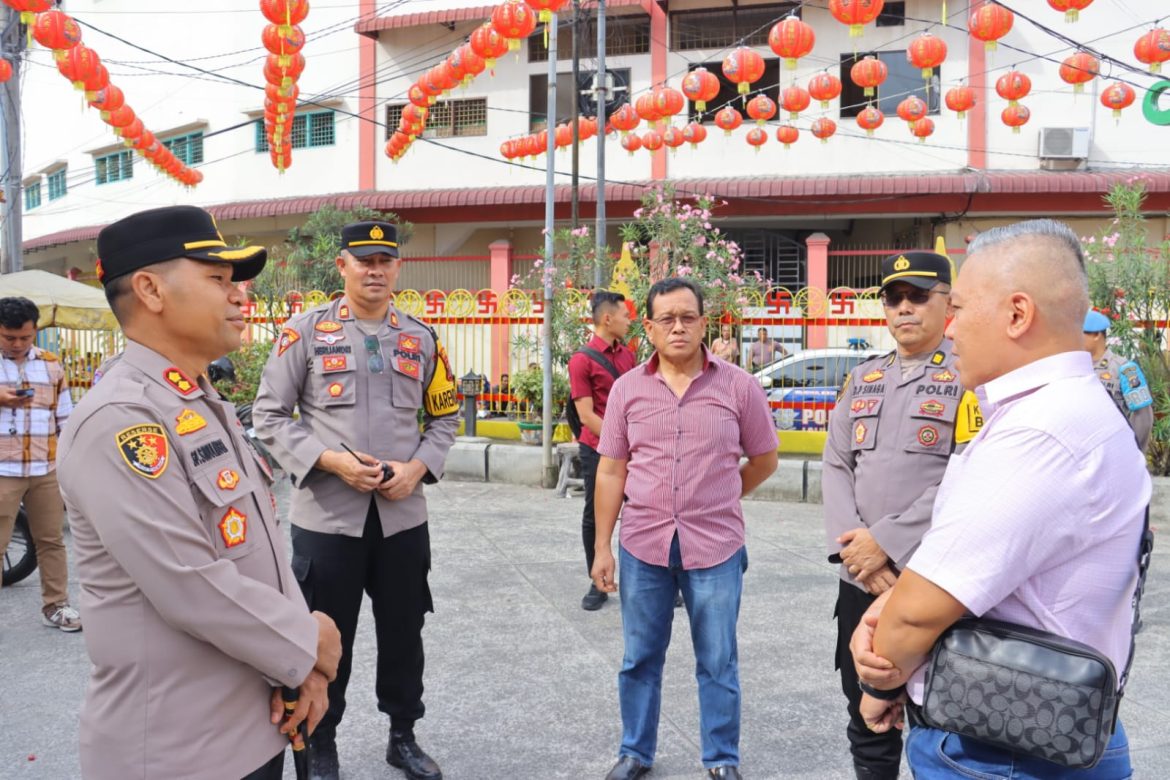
(48, 356)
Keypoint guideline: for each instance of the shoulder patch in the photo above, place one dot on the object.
(969, 419)
(1134, 387)
(49, 357)
(439, 398)
(937, 358)
(144, 448)
(178, 380)
(288, 337)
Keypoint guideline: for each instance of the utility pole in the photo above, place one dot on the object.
(600, 82)
(549, 472)
(573, 112)
(12, 43)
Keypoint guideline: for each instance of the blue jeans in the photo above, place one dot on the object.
(712, 599)
(934, 754)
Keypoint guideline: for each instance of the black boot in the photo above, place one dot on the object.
(323, 758)
(403, 752)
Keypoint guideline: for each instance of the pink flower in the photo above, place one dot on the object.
(637, 213)
(1111, 240)
(716, 282)
(684, 270)
(706, 226)
(537, 263)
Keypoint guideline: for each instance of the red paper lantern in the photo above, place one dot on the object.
(1016, 116)
(1072, 8)
(787, 135)
(922, 129)
(673, 137)
(97, 81)
(791, 39)
(700, 86)
(824, 87)
(989, 23)
(430, 85)
(280, 96)
(646, 107)
(446, 78)
(473, 64)
(728, 119)
(869, 73)
(285, 12)
(912, 109)
(282, 161)
(542, 142)
(1118, 96)
(668, 101)
(283, 41)
(625, 118)
(652, 140)
(5, 70)
(533, 146)
(417, 96)
(145, 141)
(29, 8)
(960, 100)
(119, 117)
(108, 99)
(761, 108)
(1013, 86)
(131, 131)
(870, 119)
(514, 21)
(743, 67)
(563, 138)
(1153, 49)
(488, 43)
(694, 134)
(855, 13)
(757, 137)
(56, 30)
(631, 143)
(1079, 69)
(507, 150)
(78, 64)
(545, 8)
(926, 52)
(795, 99)
(823, 128)
(283, 74)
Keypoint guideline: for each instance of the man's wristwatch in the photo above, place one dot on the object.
(877, 693)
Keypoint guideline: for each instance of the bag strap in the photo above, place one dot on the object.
(1145, 549)
(601, 360)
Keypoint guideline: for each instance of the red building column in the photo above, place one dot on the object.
(657, 73)
(500, 278)
(977, 116)
(817, 336)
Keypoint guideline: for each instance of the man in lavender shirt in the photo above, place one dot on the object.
(1038, 521)
(675, 429)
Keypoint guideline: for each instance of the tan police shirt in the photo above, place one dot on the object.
(191, 610)
(1108, 370)
(889, 441)
(318, 391)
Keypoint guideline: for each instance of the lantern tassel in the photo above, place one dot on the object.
(944, 13)
(1071, 15)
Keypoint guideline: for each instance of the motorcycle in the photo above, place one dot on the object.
(20, 558)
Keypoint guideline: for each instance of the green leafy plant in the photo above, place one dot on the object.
(249, 362)
(1129, 281)
(528, 387)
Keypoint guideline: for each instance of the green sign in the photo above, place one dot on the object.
(1154, 114)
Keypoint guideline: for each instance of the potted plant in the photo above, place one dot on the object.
(528, 387)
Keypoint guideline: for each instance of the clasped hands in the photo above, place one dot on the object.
(866, 561)
(313, 692)
(879, 715)
(365, 475)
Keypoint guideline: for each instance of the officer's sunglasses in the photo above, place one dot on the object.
(916, 296)
(376, 363)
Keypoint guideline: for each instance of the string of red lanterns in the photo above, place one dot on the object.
(60, 33)
(284, 39)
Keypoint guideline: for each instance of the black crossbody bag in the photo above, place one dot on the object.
(571, 416)
(1029, 691)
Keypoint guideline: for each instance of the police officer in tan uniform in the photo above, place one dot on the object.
(193, 615)
(1123, 379)
(358, 371)
(899, 418)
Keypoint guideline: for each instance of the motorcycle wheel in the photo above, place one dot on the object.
(20, 559)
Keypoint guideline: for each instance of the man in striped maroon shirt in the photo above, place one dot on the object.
(674, 431)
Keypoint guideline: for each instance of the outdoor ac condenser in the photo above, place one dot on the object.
(1062, 146)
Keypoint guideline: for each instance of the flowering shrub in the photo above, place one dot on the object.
(669, 236)
(1129, 282)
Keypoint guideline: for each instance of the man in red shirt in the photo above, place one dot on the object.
(590, 381)
(670, 449)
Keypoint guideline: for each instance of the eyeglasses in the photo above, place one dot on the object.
(915, 295)
(376, 363)
(687, 320)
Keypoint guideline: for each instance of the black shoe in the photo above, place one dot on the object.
(593, 599)
(627, 768)
(403, 752)
(678, 600)
(323, 759)
(725, 773)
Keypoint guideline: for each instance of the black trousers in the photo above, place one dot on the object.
(273, 770)
(333, 571)
(589, 459)
(880, 753)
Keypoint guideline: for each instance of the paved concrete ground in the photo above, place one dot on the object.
(521, 683)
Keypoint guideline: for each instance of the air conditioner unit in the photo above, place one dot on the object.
(1064, 143)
